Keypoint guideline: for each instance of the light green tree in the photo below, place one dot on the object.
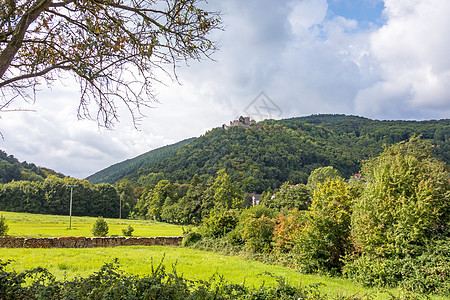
(320, 175)
(405, 201)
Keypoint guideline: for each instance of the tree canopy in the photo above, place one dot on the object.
(111, 47)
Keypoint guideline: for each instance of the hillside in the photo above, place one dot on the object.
(12, 169)
(117, 171)
(267, 155)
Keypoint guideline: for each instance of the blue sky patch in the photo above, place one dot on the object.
(366, 12)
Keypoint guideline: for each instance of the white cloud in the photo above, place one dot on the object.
(305, 14)
(411, 51)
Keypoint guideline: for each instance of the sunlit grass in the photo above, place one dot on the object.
(138, 260)
(191, 264)
(35, 225)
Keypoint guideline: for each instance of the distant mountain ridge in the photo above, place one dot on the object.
(276, 151)
(118, 171)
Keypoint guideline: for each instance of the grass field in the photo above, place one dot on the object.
(33, 225)
(192, 264)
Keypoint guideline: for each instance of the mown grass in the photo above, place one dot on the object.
(34, 225)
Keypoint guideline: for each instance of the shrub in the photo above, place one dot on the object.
(220, 223)
(3, 226)
(256, 227)
(287, 229)
(100, 227)
(405, 202)
(191, 238)
(428, 273)
(325, 236)
(400, 224)
(128, 231)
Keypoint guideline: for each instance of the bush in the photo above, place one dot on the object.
(428, 273)
(256, 227)
(288, 227)
(405, 202)
(128, 231)
(3, 226)
(400, 224)
(220, 223)
(100, 227)
(324, 237)
(191, 238)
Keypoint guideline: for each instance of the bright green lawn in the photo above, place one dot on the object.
(34, 225)
(192, 264)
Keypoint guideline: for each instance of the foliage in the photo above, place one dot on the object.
(100, 227)
(278, 151)
(288, 227)
(400, 223)
(219, 223)
(324, 239)
(256, 226)
(118, 171)
(405, 202)
(111, 47)
(289, 197)
(12, 169)
(428, 273)
(320, 175)
(128, 231)
(52, 196)
(3, 226)
(191, 238)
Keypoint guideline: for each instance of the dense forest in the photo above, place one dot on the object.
(273, 152)
(116, 172)
(12, 169)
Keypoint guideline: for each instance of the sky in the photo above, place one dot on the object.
(384, 60)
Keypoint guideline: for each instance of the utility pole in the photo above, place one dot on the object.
(70, 205)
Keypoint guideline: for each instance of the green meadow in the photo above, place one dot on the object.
(139, 260)
(33, 225)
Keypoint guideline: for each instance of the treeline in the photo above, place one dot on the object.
(52, 196)
(268, 155)
(388, 227)
(12, 169)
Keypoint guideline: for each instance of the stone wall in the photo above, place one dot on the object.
(85, 242)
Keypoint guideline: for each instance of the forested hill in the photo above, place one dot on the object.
(12, 169)
(288, 150)
(118, 171)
